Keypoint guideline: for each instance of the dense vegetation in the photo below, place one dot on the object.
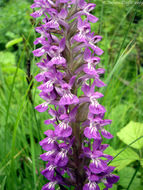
(21, 126)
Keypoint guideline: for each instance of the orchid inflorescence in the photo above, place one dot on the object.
(70, 74)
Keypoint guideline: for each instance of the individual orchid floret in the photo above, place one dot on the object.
(55, 53)
(92, 97)
(85, 9)
(50, 79)
(49, 143)
(50, 99)
(70, 78)
(91, 61)
(49, 171)
(92, 132)
(63, 129)
(91, 41)
(67, 97)
(84, 28)
(57, 19)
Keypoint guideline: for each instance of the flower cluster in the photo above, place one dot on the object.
(69, 65)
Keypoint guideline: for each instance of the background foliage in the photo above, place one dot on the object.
(21, 127)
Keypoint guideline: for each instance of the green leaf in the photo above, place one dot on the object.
(8, 72)
(125, 177)
(131, 132)
(13, 42)
(7, 58)
(3, 183)
(11, 70)
(141, 162)
(122, 160)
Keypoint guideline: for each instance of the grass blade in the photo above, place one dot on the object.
(32, 146)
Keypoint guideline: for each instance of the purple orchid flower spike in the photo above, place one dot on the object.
(48, 86)
(70, 76)
(40, 51)
(61, 158)
(42, 107)
(111, 179)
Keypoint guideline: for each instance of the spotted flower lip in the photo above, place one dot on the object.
(70, 78)
(63, 129)
(49, 155)
(94, 106)
(97, 166)
(92, 132)
(48, 143)
(49, 171)
(50, 79)
(42, 107)
(61, 158)
(67, 97)
(47, 87)
(91, 186)
(84, 28)
(49, 186)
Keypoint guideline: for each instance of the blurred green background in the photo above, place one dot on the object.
(21, 127)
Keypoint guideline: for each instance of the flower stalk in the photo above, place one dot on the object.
(74, 153)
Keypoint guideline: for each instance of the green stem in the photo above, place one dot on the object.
(126, 148)
(133, 177)
(32, 146)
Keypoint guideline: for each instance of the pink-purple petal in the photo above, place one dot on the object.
(69, 99)
(92, 133)
(106, 134)
(91, 186)
(98, 167)
(42, 107)
(97, 109)
(92, 18)
(63, 130)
